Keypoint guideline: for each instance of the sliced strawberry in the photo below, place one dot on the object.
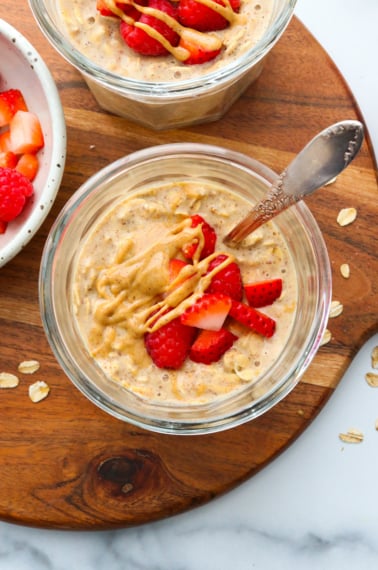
(200, 47)
(8, 159)
(141, 41)
(209, 235)
(227, 280)
(25, 133)
(252, 318)
(209, 346)
(175, 266)
(5, 141)
(201, 17)
(28, 165)
(263, 293)
(169, 345)
(11, 101)
(124, 6)
(209, 312)
(3, 227)
(102, 7)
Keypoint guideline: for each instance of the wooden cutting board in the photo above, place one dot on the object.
(66, 464)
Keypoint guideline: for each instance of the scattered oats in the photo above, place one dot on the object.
(376, 424)
(92, 146)
(8, 380)
(346, 216)
(372, 379)
(300, 413)
(374, 357)
(336, 309)
(28, 366)
(326, 337)
(38, 391)
(352, 436)
(345, 270)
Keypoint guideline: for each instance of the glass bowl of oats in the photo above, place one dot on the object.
(164, 91)
(157, 321)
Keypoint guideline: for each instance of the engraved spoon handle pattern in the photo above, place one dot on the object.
(321, 160)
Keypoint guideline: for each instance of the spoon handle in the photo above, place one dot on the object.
(323, 158)
(275, 201)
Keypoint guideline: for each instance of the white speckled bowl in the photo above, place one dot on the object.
(21, 67)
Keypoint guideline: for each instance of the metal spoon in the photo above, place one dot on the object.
(321, 160)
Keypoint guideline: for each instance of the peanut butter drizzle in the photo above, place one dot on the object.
(137, 300)
(211, 41)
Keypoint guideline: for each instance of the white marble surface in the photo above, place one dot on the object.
(273, 521)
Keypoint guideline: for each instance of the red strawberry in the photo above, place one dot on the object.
(8, 159)
(5, 141)
(209, 346)
(125, 7)
(209, 236)
(25, 133)
(201, 17)
(227, 280)
(169, 345)
(140, 41)
(3, 227)
(200, 47)
(175, 266)
(11, 101)
(263, 293)
(28, 165)
(252, 318)
(208, 312)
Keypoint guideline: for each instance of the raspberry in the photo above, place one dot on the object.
(169, 345)
(14, 189)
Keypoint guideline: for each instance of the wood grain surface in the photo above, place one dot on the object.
(66, 464)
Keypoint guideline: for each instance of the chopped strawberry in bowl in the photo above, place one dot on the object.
(160, 323)
(32, 142)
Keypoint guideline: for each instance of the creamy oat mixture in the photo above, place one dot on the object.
(98, 38)
(121, 277)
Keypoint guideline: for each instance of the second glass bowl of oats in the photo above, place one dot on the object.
(160, 92)
(105, 273)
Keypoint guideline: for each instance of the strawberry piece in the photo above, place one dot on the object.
(253, 319)
(140, 41)
(263, 293)
(227, 280)
(208, 312)
(201, 17)
(8, 159)
(125, 7)
(200, 47)
(11, 101)
(3, 227)
(5, 142)
(102, 7)
(169, 345)
(28, 165)
(209, 346)
(175, 266)
(25, 133)
(209, 235)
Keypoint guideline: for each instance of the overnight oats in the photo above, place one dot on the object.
(171, 313)
(165, 63)
(154, 318)
(164, 40)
